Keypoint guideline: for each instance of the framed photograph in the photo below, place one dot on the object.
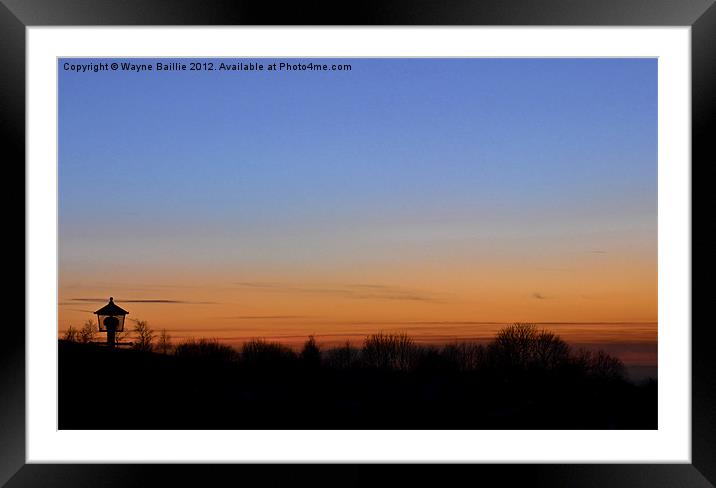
(404, 234)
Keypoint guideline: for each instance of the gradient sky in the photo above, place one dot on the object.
(428, 195)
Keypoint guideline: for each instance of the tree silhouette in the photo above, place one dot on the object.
(550, 351)
(71, 334)
(523, 346)
(120, 335)
(464, 356)
(600, 365)
(88, 332)
(164, 343)
(341, 357)
(261, 351)
(391, 351)
(311, 353)
(524, 378)
(206, 349)
(144, 336)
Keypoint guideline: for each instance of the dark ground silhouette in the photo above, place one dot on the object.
(524, 379)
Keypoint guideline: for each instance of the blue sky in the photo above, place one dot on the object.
(389, 131)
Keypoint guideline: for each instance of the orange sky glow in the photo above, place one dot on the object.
(590, 298)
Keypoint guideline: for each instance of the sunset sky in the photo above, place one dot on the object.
(443, 197)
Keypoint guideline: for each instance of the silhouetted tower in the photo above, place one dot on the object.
(110, 319)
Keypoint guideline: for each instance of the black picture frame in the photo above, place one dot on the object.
(16, 15)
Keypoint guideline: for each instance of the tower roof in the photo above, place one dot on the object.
(111, 309)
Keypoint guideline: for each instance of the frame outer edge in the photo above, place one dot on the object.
(12, 115)
(12, 343)
(362, 12)
(703, 107)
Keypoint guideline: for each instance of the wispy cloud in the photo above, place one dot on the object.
(360, 291)
(265, 317)
(538, 296)
(149, 300)
(598, 251)
(261, 284)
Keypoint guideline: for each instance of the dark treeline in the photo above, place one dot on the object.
(525, 378)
